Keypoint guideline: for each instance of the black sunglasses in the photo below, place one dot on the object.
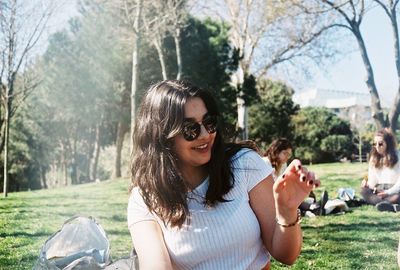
(191, 130)
(378, 144)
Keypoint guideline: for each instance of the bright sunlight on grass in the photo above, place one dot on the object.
(361, 239)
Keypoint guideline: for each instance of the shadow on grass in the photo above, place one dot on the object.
(359, 226)
(23, 234)
(118, 232)
(353, 243)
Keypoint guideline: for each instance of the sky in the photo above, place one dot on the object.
(349, 73)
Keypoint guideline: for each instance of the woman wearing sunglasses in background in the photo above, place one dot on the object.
(200, 203)
(382, 188)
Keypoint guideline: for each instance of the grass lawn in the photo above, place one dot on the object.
(361, 239)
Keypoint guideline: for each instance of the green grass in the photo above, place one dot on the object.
(361, 239)
(27, 219)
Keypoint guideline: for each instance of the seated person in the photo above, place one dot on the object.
(277, 155)
(382, 188)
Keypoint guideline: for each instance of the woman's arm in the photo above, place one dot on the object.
(284, 244)
(372, 179)
(391, 191)
(150, 247)
(280, 200)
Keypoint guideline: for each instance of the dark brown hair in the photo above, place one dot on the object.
(273, 151)
(390, 158)
(154, 163)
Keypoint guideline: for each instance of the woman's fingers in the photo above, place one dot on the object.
(310, 179)
(296, 171)
(317, 183)
(294, 166)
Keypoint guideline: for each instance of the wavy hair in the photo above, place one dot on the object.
(274, 149)
(154, 164)
(390, 158)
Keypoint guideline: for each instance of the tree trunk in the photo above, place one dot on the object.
(63, 164)
(96, 154)
(43, 177)
(377, 113)
(135, 65)
(91, 153)
(242, 118)
(74, 165)
(178, 52)
(122, 130)
(395, 110)
(6, 139)
(161, 58)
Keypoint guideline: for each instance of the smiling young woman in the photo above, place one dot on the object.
(198, 202)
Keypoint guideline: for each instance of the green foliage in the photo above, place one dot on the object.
(209, 61)
(29, 149)
(248, 90)
(335, 144)
(321, 136)
(86, 71)
(271, 117)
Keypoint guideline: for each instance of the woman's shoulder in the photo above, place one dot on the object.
(250, 159)
(266, 159)
(245, 153)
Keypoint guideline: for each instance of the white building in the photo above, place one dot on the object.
(331, 98)
(354, 107)
(350, 105)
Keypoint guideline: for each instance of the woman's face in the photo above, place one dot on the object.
(380, 145)
(284, 155)
(197, 152)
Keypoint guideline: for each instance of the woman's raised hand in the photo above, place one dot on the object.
(292, 187)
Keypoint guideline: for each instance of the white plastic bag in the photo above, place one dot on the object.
(81, 243)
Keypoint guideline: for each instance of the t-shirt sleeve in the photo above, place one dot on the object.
(256, 168)
(137, 209)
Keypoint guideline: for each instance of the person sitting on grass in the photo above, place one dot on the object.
(383, 185)
(198, 202)
(277, 155)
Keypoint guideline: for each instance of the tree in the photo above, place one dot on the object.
(131, 11)
(271, 117)
(349, 16)
(208, 61)
(268, 33)
(21, 27)
(321, 136)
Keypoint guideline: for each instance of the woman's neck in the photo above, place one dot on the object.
(194, 176)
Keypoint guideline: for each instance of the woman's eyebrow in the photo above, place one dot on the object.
(193, 119)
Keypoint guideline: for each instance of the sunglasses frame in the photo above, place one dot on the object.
(380, 144)
(191, 130)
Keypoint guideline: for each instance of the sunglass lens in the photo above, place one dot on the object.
(210, 123)
(191, 131)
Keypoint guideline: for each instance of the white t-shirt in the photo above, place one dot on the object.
(385, 175)
(226, 236)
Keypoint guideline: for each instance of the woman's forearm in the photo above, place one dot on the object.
(286, 243)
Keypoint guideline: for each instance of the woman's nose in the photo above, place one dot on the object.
(203, 131)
